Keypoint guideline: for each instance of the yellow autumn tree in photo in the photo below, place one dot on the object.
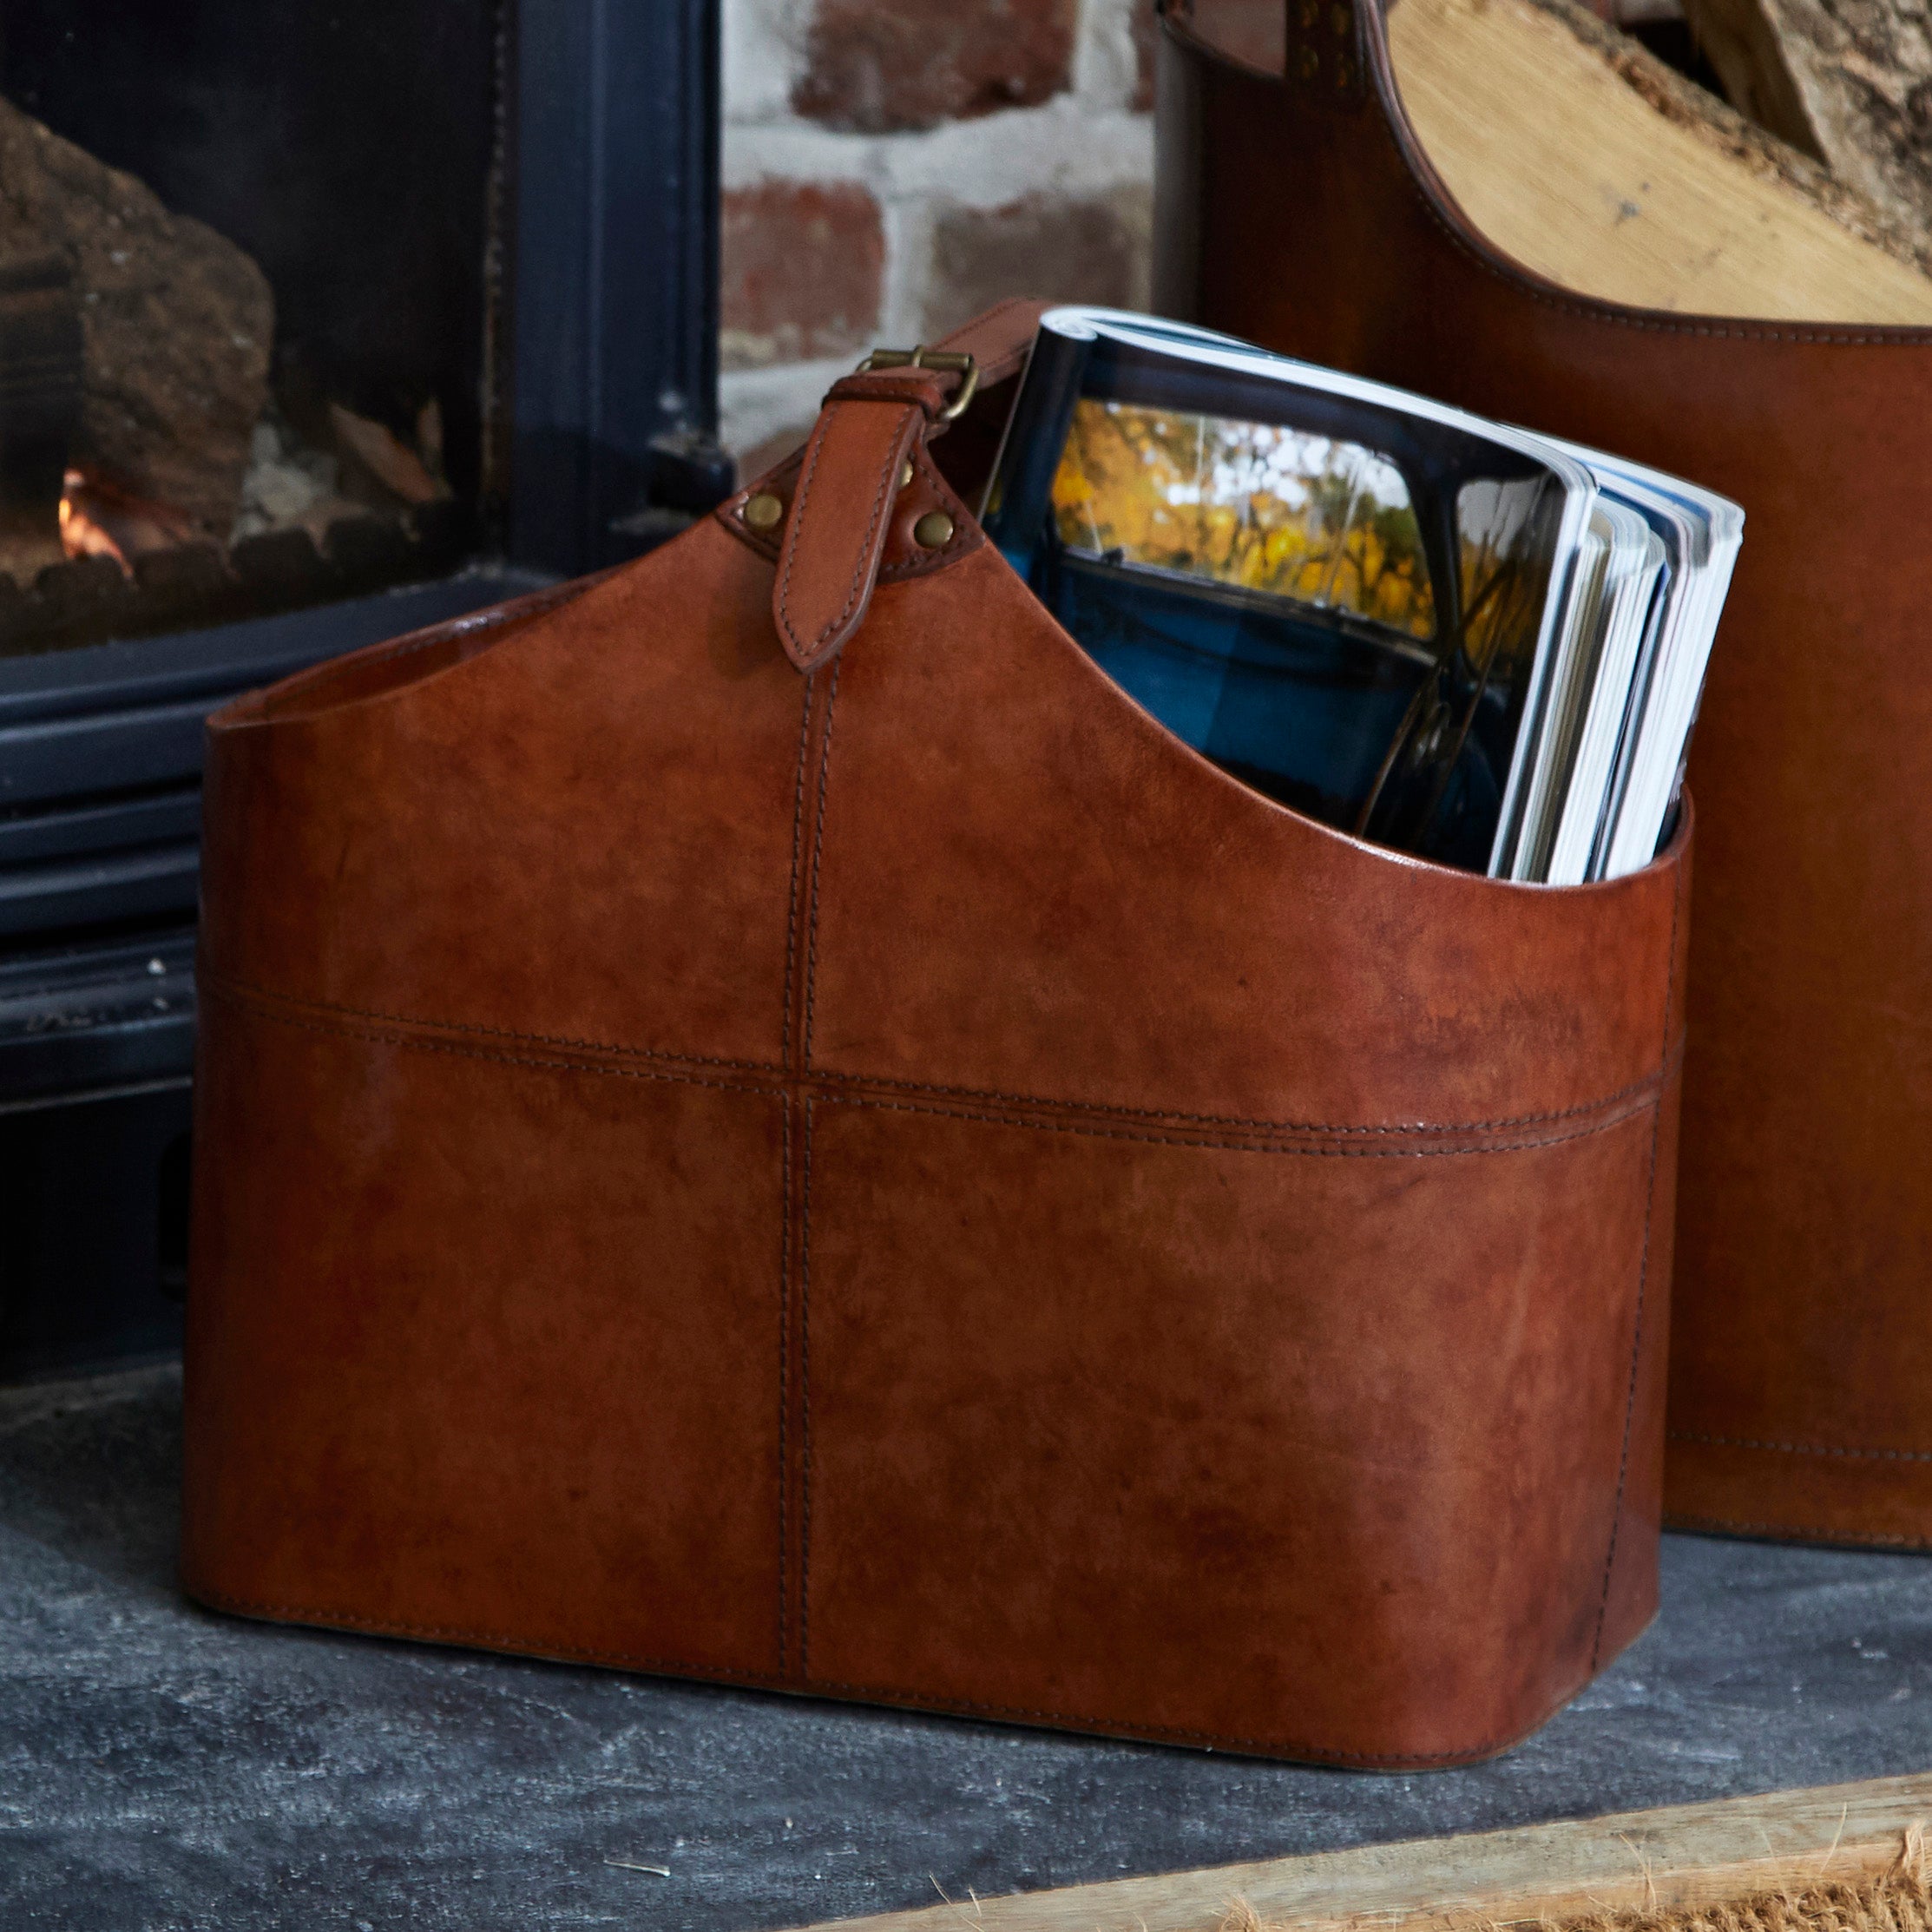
(1255, 504)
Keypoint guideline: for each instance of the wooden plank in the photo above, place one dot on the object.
(1686, 1854)
(1589, 162)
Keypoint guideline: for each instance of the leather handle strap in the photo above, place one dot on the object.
(999, 339)
(850, 475)
(835, 538)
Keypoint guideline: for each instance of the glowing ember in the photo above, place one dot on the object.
(100, 519)
(80, 536)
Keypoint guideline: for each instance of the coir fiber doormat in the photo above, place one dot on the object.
(1831, 1858)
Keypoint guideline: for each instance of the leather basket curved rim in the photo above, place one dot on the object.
(260, 712)
(1386, 99)
(1453, 877)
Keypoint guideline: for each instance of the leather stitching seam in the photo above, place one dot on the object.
(804, 1190)
(792, 902)
(967, 535)
(1803, 1449)
(1630, 1112)
(818, 861)
(1409, 1129)
(796, 535)
(256, 998)
(966, 538)
(1811, 1533)
(785, 1340)
(461, 1051)
(784, 1218)
(731, 512)
(804, 1431)
(244, 992)
(1643, 1284)
(808, 471)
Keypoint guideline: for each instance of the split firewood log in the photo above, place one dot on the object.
(1579, 153)
(1848, 80)
(1587, 159)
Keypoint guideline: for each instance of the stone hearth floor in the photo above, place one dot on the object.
(161, 1767)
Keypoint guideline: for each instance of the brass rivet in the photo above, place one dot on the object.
(906, 472)
(934, 531)
(763, 511)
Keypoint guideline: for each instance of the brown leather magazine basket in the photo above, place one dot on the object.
(1801, 1359)
(758, 1119)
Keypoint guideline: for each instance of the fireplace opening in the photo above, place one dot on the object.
(316, 325)
(251, 307)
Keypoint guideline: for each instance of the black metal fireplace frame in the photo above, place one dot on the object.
(601, 414)
(614, 322)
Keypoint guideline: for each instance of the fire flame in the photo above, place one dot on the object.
(81, 536)
(100, 518)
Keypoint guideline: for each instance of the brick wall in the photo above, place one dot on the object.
(892, 166)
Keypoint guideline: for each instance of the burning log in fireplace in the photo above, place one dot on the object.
(100, 519)
(146, 471)
(176, 324)
(40, 401)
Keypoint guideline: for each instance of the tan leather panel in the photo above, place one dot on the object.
(1086, 911)
(529, 783)
(1824, 1491)
(455, 1371)
(1805, 1225)
(1191, 1442)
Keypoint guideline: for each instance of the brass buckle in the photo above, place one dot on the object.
(950, 361)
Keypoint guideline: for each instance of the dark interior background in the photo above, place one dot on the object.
(348, 147)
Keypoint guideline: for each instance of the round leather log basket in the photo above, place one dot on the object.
(899, 1181)
(1298, 210)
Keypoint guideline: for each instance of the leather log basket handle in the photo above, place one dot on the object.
(836, 535)
(863, 483)
(758, 1119)
(1801, 1363)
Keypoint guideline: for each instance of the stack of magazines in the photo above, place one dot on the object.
(1438, 632)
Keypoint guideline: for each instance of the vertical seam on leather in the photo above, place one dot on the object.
(787, 1215)
(818, 861)
(784, 1355)
(1643, 1280)
(803, 989)
(804, 1195)
(804, 1378)
(792, 900)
